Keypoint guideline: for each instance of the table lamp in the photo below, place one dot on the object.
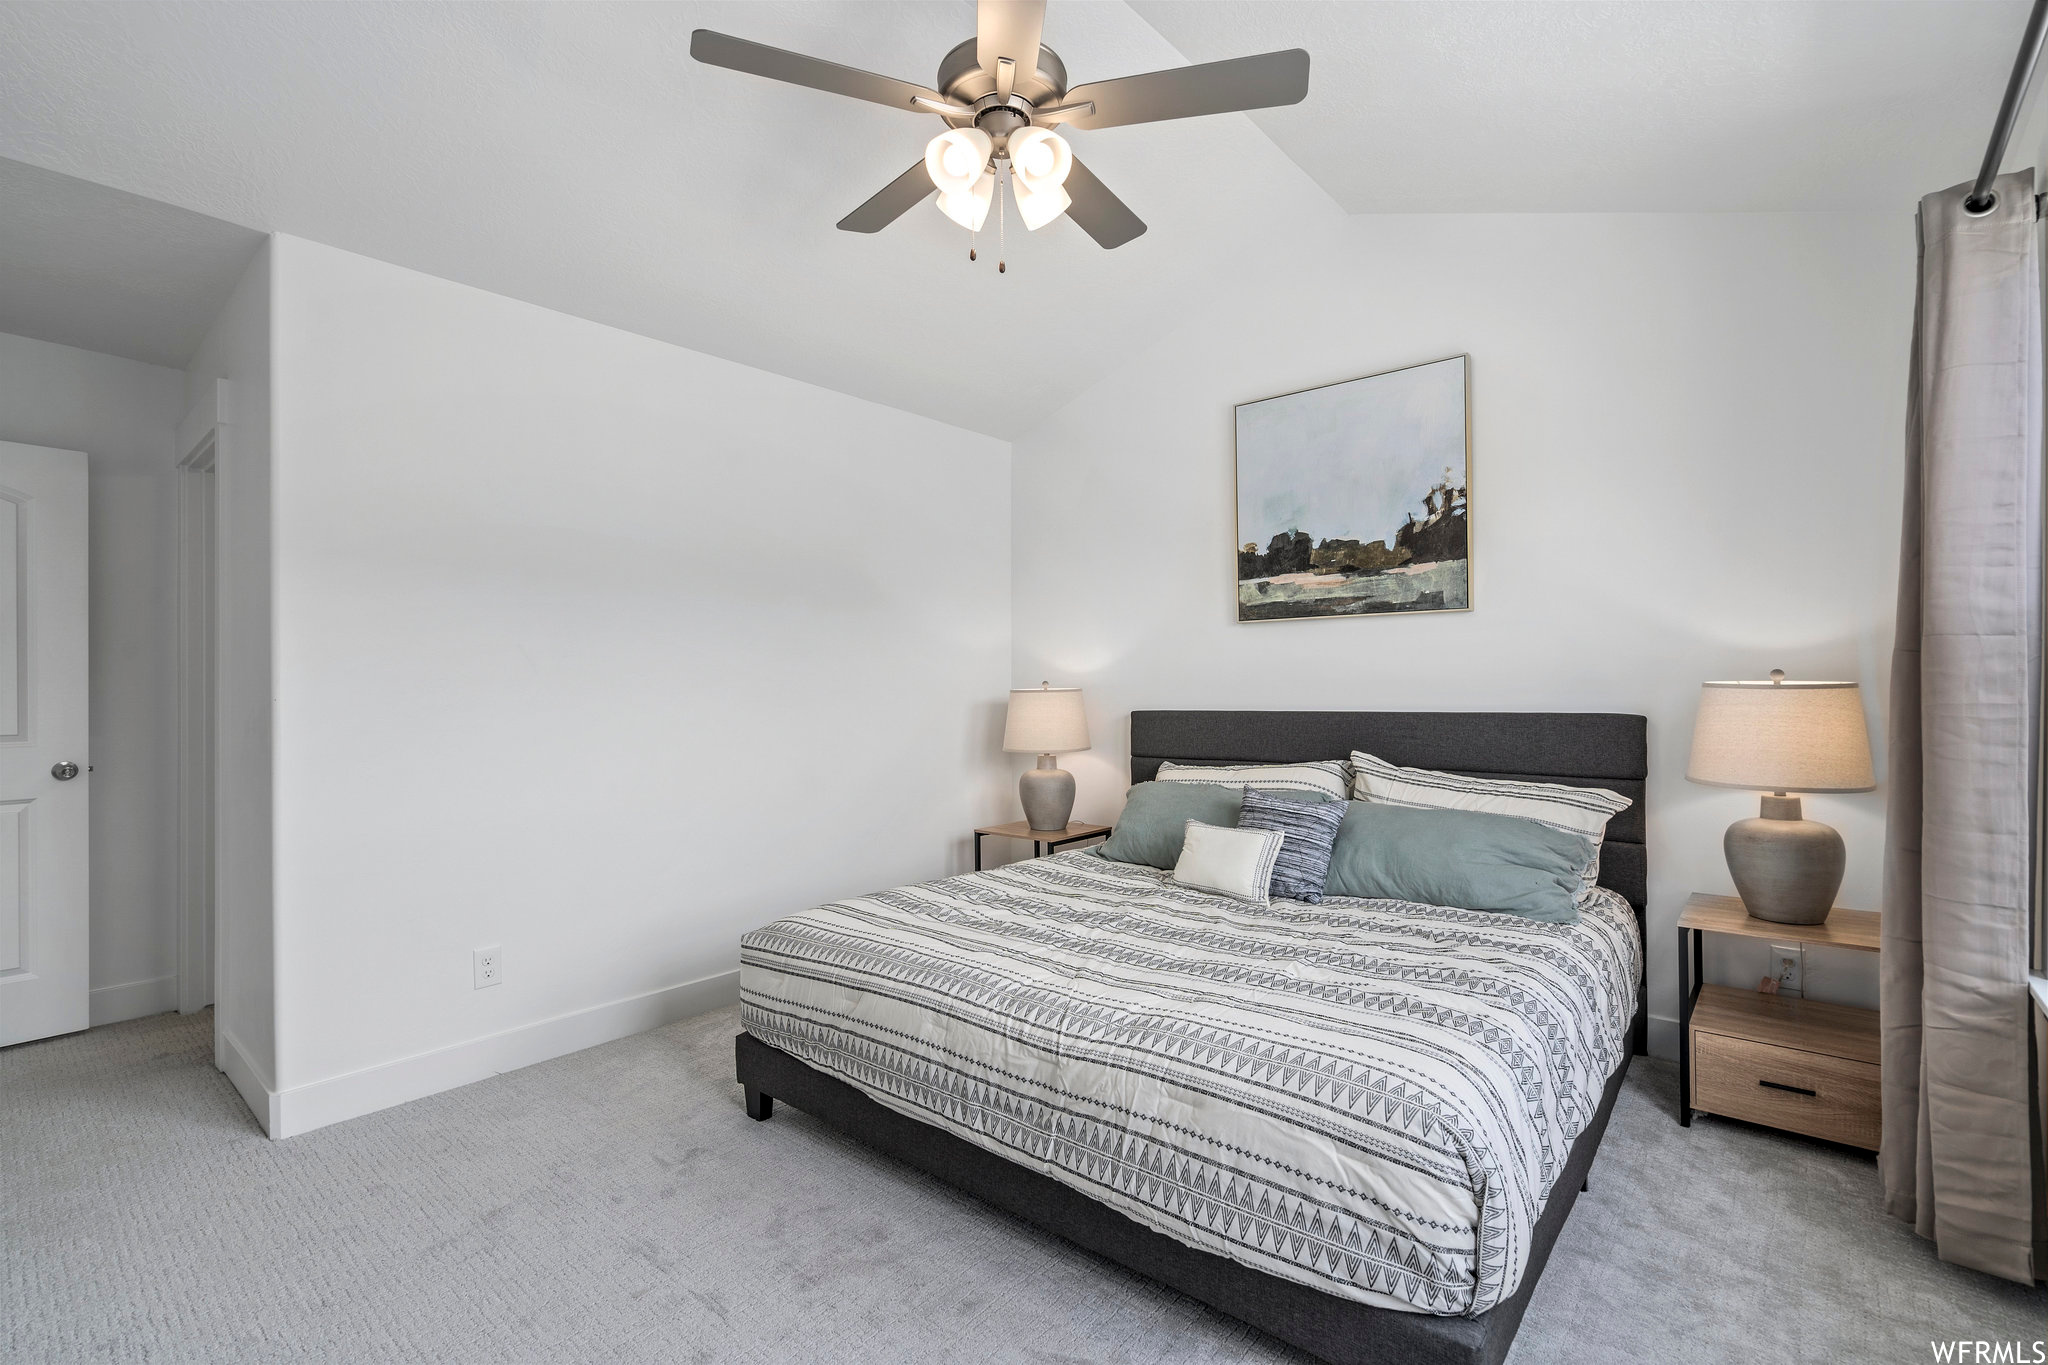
(1782, 737)
(1046, 720)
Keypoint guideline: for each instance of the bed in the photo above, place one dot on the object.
(1358, 1127)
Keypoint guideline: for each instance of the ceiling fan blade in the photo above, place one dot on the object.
(1008, 28)
(1260, 82)
(1097, 212)
(891, 202)
(778, 64)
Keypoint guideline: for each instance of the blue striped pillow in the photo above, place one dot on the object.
(1310, 828)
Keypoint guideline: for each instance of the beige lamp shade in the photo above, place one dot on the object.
(1779, 736)
(1045, 720)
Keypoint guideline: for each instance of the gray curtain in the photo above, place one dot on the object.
(1956, 1158)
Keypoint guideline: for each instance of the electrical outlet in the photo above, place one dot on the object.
(490, 966)
(1788, 965)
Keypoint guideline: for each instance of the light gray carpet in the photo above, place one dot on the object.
(618, 1205)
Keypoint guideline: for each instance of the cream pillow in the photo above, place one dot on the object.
(1231, 862)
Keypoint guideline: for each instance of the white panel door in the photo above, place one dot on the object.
(43, 758)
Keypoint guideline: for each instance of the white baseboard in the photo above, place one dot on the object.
(302, 1108)
(249, 1080)
(133, 999)
(1663, 1038)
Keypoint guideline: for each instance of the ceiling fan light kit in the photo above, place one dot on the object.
(1000, 93)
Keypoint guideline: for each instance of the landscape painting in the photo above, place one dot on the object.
(1351, 498)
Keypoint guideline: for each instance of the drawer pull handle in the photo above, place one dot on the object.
(1795, 1089)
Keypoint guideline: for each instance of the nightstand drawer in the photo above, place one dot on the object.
(1805, 1092)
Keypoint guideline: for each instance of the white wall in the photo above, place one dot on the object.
(237, 349)
(600, 650)
(1686, 465)
(124, 415)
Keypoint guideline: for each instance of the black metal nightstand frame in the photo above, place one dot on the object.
(1691, 972)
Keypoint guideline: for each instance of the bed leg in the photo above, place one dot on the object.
(1585, 1184)
(759, 1106)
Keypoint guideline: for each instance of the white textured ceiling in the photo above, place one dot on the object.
(1574, 105)
(573, 155)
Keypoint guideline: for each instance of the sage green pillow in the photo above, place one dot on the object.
(1156, 815)
(1470, 859)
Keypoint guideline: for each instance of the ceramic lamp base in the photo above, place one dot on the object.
(1048, 796)
(1787, 869)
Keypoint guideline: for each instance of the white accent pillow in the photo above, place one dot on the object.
(1331, 779)
(1232, 862)
(1577, 810)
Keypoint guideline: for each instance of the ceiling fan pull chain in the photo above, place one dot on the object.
(1002, 232)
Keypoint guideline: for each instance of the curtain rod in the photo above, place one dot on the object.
(1981, 200)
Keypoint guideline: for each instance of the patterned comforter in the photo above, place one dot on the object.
(1369, 1097)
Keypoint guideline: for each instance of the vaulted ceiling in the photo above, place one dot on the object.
(1632, 107)
(574, 156)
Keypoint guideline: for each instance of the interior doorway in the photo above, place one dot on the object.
(198, 619)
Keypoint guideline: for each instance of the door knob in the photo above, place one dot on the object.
(63, 772)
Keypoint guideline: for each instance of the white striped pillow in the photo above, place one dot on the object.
(1577, 810)
(1331, 780)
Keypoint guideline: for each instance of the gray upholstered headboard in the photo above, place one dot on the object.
(1574, 748)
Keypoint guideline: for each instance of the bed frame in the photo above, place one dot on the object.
(1585, 750)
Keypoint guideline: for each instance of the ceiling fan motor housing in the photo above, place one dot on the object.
(963, 79)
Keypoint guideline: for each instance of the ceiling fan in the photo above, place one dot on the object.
(1001, 93)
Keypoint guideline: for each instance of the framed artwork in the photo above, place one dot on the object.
(1353, 498)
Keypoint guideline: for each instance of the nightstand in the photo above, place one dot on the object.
(1042, 840)
(1801, 1065)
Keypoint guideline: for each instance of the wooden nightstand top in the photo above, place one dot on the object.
(1021, 829)
(1856, 929)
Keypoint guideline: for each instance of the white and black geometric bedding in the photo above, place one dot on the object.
(1369, 1097)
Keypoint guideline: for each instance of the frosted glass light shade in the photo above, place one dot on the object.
(1781, 737)
(1045, 720)
(1040, 159)
(1039, 207)
(969, 208)
(957, 158)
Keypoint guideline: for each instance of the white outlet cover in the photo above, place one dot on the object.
(489, 966)
(1788, 965)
